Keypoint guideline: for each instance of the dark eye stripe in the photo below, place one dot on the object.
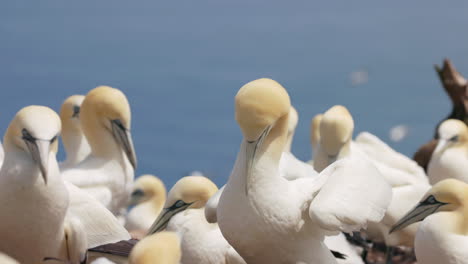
(454, 138)
(27, 136)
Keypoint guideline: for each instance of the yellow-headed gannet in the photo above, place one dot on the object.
(269, 219)
(75, 143)
(442, 237)
(107, 173)
(34, 197)
(408, 186)
(159, 248)
(450, 157)
(183, 213)
(148, 197)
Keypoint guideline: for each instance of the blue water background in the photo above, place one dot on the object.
(181, 63)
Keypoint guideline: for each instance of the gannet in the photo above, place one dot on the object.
(148, 197)
(75, 144)
(450, 157)
(442, 237)
(201, 242)
(34, 197)
(269, 219)
(107, 173)
(407, 179)
(5, 259)
(160, 248)
(290, 167)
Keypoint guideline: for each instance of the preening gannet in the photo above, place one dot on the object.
(406, 178)
(442, 237)
(159, 248)
(269, 219)
(107, 173)
(148, 197)
(34, 197)
(201, 242)
(450, 157)
(75, 143)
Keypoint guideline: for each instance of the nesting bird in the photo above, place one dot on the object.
(285, 221)
(443, 234)
(148, 197)
(201, 242)
(450, 157)
(107, 173)
(75, 143)
(407, 179)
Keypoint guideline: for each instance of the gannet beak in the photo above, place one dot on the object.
(251, 151)
(166, 214)
(39, 150)
(421, 211)
(441, 145)
(124, 139)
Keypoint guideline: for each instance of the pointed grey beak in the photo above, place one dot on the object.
(124, 139)
(251, 152)
(165, 216)
(39, 150)
(425, 208)
(440, 145)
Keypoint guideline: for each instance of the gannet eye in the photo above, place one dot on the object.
(430, 200)
(27, 136)
(454, 138)
(179, 204)
(138, 192)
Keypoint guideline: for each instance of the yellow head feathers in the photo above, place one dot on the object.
(453, 128)
(260, 104)
(160, 248)
(192, 189)
(336, 129)
(70, 110)
(315, 130)
(39, 122)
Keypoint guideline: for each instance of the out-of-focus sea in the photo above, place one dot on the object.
(181, 63)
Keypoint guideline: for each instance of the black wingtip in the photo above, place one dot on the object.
(338, 255)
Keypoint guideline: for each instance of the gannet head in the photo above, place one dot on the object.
(452, 133)
(259, 104)
(315, 130)
(107, 108)
(147, 187)
(446, 195)
(188, 192)
(336, 130)
(70, 112)
(34, 130)
(160, 248)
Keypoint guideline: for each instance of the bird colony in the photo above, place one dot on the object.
(356, 199)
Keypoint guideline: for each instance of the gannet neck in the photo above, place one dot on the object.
(102, 109)
(75, 143)
(292, 123)
(315, 131)
(275, 142)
